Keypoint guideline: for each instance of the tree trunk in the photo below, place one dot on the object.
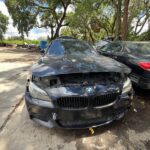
(125, 20)
(149, 23)
(90, 35)
(113, 25)
(118, 20)
(60, 23)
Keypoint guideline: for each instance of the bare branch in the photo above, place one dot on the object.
(143, 23)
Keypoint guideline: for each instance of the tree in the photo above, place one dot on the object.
(117, 4)
(131, 17)
(91, 20)
(139, 13)
(50, 13)
(3, 24)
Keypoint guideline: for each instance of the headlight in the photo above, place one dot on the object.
(127, 86)
(37, 92)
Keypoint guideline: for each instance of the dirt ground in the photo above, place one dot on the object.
(18, 132)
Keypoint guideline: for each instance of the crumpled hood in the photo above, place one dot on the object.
(69, 64)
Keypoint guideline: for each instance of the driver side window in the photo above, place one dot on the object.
(116, 47)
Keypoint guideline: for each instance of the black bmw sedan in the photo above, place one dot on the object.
(135, 55)
(71, 86)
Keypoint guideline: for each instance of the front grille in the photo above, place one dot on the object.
(82, 102)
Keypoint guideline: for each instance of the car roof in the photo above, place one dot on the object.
(136, 42)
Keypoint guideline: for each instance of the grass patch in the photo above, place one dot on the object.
(19, 42)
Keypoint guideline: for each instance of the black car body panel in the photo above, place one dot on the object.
(70, 119)
(84, 90)
(139, 76)
(51, 65)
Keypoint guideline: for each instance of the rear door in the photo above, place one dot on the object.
(117, 52)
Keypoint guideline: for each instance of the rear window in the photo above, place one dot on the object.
(139, 48)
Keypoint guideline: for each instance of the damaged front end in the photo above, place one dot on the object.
(78, 100)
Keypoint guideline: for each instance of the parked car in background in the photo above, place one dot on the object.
(100, 43)
(103, 41)
(135, 55)
(71, 86)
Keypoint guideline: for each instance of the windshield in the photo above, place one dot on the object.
(62, 47)
(139, 48)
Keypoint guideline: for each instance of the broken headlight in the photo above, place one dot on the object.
(37, 92)
(46, 81)
(127, 86)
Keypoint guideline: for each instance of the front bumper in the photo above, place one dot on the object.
(141, 82)
(42, 112)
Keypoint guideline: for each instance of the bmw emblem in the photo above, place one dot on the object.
(89, 90)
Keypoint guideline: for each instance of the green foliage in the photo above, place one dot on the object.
(23, 14)
(3, 24)
(67, 31)
(90, 20)
(95, 19)
(15, 38)
(145, 36)
(139, 14)
(26, 13)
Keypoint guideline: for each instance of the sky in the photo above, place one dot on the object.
(35, 33)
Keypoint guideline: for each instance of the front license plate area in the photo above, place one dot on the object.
(91, 114)
(79, 115)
